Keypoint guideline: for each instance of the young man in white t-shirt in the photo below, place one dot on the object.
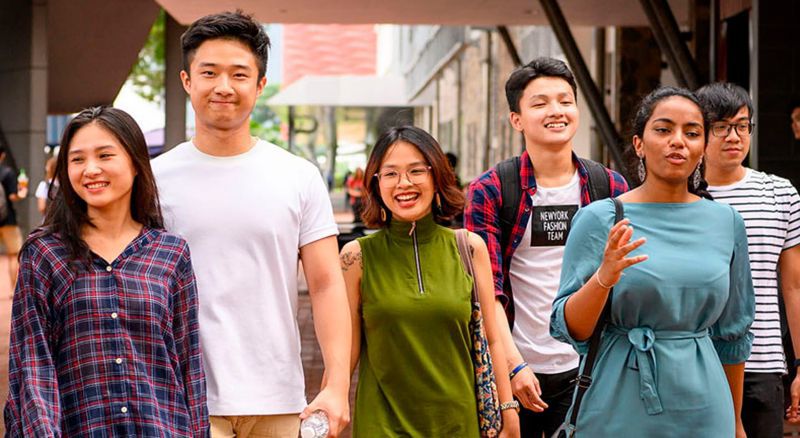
(554, 184)
(770, 207)
(249, 210)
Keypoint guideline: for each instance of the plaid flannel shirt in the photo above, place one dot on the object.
(110, 349)
(482, 216)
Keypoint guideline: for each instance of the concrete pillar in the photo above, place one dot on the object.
(174, 95)
(23, 85)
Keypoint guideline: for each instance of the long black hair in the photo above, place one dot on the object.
(67, 214)
(645, 110)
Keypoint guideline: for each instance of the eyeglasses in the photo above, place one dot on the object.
(724, 129)
(391, 177)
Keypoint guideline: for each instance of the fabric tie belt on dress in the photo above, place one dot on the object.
(642, 357)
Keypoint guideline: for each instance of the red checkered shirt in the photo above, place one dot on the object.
(110, 349)
(482, 216)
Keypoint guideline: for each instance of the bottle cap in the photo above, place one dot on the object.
(308, 432)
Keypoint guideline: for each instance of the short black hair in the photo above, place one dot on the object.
(722, 100)
(236, 26)
(542, 67)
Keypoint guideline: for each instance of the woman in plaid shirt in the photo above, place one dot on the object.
(104, 332)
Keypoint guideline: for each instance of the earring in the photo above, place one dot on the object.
(641, 170)
(383, 215)
(697, 176)
(438, 202)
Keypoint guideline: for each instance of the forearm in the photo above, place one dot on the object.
(332, 326)
(735, 375)
(511, 353)
(582, 309)
(791, 298)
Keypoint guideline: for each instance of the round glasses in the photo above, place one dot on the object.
(724, 129)
(415, 175)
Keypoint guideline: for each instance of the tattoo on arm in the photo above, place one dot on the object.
(349, 259)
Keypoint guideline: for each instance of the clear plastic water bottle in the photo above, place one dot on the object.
(315, 426)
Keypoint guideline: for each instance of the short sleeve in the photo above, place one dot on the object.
(582, 256)
(41, 190)
(316, 212)
(731, 332)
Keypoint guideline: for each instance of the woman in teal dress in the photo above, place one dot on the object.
(671, 359)
(410, 300)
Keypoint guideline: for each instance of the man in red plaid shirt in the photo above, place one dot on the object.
(554, 185)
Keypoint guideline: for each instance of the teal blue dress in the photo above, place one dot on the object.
(676, 318)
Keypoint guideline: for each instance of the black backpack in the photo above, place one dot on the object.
(511, 191)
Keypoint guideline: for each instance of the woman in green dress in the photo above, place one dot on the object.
(410, 300)
(671, 359)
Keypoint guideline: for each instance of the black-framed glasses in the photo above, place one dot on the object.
(391, 177)
(723, 129)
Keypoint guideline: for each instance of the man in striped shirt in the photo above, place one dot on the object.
(770, 207)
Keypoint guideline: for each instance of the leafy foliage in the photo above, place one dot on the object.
(147, 75)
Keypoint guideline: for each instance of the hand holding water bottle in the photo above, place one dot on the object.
(315, 425)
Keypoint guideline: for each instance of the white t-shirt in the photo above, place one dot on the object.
(535, 272)
(770, 208)
(245, 218)
(41, 190)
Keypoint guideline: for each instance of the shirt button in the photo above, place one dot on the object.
(118, 360)
(109, 268)
(114, 315)
(123, 409)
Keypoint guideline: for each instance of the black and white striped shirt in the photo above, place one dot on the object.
(770, 207)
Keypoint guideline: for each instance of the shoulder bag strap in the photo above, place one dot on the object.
(584, 379)
(511, 194)
(599, 186)
(462, 241)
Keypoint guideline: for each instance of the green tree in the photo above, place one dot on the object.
(147, 75)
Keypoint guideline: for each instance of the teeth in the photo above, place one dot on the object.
(406, 197)
(96, 185)
(556, 125)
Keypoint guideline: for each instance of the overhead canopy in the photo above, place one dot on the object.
(355, 91)
(91, 47)
(447, 12)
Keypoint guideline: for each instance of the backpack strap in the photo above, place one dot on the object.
(511, 194)
(599, 186)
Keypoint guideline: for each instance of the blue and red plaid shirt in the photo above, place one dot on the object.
(110, 349)
(482, 216)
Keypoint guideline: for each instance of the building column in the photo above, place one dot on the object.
(174, 94)
(23, 85)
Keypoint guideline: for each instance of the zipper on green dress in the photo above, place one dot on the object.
(416, 257)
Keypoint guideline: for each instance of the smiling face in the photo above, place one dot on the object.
(548, 113)
(673, 140)
(727, 153)
(223, 84)
(408, 201)
(100, 170)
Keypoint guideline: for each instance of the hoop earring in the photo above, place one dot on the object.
(438, 202)
(383, 215)
(697, 176)
(641, 170)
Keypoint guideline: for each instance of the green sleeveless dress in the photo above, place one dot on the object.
(416, 377)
